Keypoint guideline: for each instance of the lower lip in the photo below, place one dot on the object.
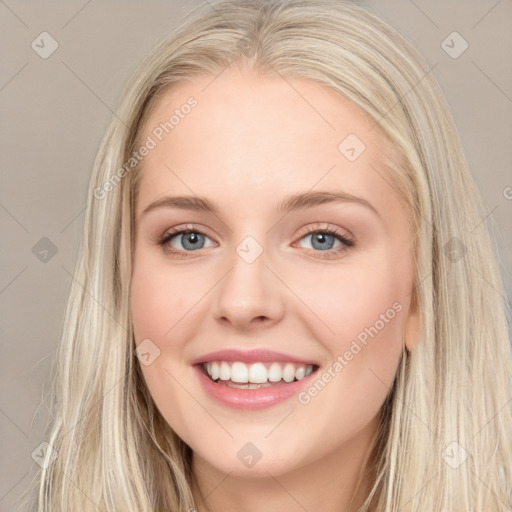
(252, 399)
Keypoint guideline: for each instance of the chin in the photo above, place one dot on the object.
(251, 460)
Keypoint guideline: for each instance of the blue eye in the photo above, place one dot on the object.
(324, 239)
(321, 240)
(193, 239)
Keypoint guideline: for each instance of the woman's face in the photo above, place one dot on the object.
(257, 288)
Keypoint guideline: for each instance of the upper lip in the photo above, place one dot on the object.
(250, 356)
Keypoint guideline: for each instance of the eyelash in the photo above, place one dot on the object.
(347, 242)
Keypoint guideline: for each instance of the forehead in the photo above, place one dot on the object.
(250, 138)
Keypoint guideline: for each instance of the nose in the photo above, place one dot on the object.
(250, 296)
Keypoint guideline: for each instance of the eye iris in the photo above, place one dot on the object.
(321, 238)
(190, 239)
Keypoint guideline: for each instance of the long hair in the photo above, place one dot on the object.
(444, 441)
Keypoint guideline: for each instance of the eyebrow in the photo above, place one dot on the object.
(290, 203)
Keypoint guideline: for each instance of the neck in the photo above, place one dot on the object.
(338, 482)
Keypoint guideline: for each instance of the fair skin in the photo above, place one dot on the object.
(250, 142)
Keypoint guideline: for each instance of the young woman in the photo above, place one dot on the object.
(281, 300)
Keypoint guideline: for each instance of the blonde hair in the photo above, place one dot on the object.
(114, 449)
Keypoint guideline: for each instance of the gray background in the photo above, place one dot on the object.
(55, 110)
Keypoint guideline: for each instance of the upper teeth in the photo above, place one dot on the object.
(256, 373)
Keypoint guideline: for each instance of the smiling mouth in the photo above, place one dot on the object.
(255, 375)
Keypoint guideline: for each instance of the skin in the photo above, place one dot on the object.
(251, 141)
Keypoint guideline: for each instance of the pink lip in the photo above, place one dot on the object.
(250, 399)
(250, 356)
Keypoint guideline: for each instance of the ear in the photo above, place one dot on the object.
(413, 326)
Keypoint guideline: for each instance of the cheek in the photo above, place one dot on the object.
(156, 311)
(155, 305)
(354, 298)
(364, 307)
